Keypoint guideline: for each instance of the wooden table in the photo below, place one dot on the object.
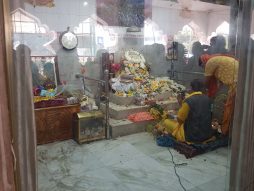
(55, 123)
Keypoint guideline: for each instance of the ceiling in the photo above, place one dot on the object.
(192, 5)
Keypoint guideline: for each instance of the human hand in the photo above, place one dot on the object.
(180, 99)
(215, 124)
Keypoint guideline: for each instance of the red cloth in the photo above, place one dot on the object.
(50, 103)
(141, 116)
(205, 57)
(212, 86)
(115, 67)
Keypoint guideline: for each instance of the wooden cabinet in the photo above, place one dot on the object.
(55, 123)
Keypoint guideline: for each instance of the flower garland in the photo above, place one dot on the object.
(134, 57)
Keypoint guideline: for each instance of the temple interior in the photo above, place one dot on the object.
(107, 77)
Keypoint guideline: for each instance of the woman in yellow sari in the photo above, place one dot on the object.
(221, 77)
(193, 123)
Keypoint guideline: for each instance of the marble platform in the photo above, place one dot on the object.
(121, 126)
(122, 112)
(129, 163)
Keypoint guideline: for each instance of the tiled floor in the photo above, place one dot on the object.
(130, 163)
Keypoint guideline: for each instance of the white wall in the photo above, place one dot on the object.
(65, 13)
(216, 18)
(171, 21)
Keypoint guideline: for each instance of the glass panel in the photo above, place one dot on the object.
(44, 71)
(151, 52)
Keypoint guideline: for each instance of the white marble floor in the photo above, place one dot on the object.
(130, 163)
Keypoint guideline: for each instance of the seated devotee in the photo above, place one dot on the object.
(194, 118)
(221, 77)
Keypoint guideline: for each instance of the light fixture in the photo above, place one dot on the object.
(85, 3)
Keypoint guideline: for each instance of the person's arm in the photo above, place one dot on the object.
(180, 97)
(208, 81)
(183, 113)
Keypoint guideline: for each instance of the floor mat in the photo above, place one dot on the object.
(191, 150)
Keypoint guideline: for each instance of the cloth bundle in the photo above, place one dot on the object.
(191, 150)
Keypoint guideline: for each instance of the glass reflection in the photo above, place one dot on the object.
(172, 36)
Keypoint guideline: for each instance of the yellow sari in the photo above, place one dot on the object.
(173, 127)
(176, 129)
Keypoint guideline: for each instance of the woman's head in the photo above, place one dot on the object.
(197, 85)
(197, 48)
(213, 40)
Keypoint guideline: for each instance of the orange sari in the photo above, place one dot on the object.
(228, 112)
(228, 107)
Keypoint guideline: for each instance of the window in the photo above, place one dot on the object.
(24, 22)
(28, 30)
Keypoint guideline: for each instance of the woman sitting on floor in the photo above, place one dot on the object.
(194, 118)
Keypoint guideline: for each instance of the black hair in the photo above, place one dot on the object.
(213, 40)
(200, 63)
(221, 41)
(197, 85)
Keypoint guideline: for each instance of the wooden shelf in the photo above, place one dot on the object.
(55, 123)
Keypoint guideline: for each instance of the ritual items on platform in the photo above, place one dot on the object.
(36, 91)
(51, 103)
(72, 100)
(123, 89)
(88, 104)
(114, 68)
(156, 111)
(49, 85)
(134, 80)
(62, 95)
(134, 57)
(48, 93)
(141, 116)
(46, 96)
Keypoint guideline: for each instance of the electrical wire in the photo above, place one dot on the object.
(176, 165)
